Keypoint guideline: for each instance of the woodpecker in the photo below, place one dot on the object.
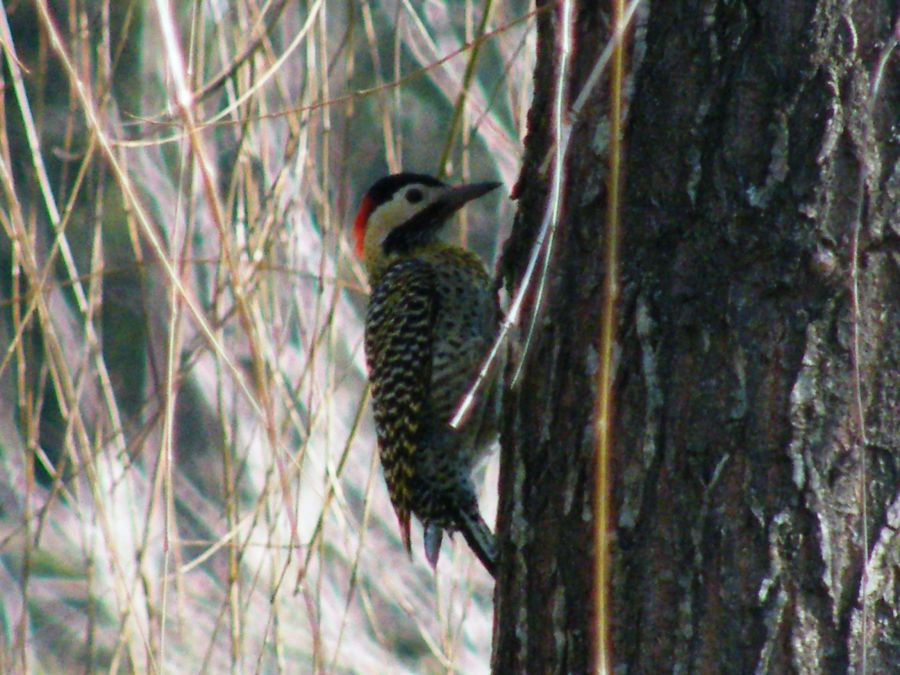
(432, 318)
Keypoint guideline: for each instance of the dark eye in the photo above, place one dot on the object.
(414, 195)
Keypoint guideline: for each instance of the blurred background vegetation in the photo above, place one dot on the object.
(188, 478)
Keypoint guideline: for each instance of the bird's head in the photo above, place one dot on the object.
(405, 211)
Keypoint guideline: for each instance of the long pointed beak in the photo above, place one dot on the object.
(458, 195)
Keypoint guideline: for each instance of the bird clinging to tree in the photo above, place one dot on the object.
(432, 318)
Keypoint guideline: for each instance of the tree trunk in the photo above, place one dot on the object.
(757, 390)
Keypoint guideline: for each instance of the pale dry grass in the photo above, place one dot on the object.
(187, 471)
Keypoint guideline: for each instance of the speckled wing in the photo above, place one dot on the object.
(399, 336)
(465, 330)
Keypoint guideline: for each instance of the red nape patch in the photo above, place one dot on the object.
(359, 225)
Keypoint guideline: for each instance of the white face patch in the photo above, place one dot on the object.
(405, 203)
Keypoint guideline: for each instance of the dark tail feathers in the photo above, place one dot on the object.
(476, 533)
(480, 539)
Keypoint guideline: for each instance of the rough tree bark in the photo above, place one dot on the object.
(757, 466)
